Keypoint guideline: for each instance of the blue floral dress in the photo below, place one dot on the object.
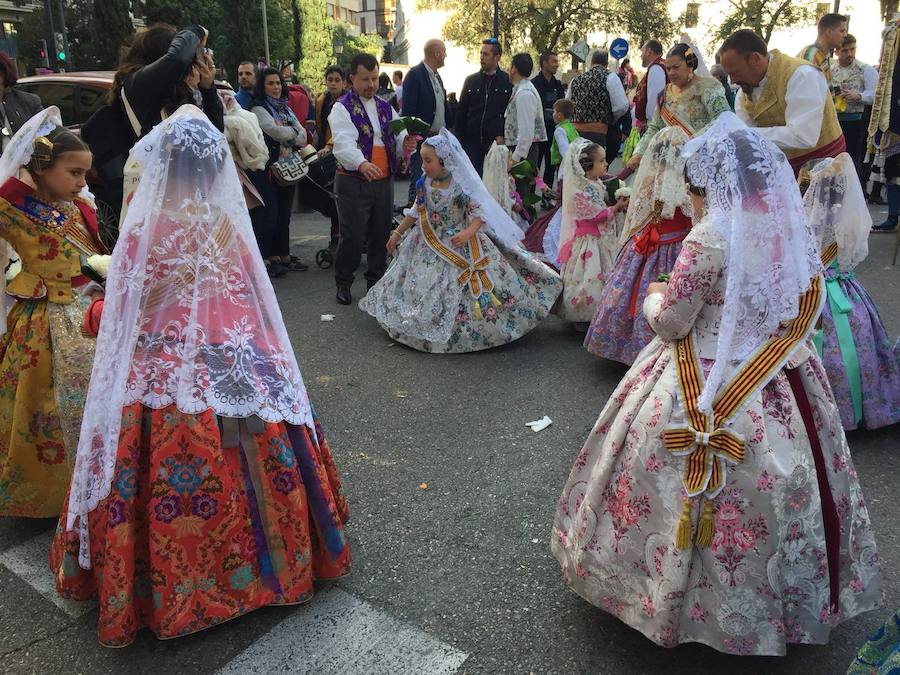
(490, 297)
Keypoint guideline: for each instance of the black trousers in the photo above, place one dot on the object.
(613, 142)
(477, 152)
(365, 210)
(272, 221)
(544, 157)
(855, 133)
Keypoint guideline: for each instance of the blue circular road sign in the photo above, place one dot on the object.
(619, 48)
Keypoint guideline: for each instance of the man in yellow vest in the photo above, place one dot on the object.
(786, 98)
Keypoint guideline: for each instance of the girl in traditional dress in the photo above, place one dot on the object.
(587, 238)
(689, 101)
(858, 356)
(658, 220)
(47, 216)
(461, 282)
(502, 187)
(715, 500)
(203, 486)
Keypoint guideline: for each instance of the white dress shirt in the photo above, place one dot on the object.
(805, 96)
(868, 94)
(656, 83)
(617, 98)
(439, 113)
(527, 106)
(345, 135)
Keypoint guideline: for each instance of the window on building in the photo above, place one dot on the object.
(362, 24)
(9, 29)
(822, 8)
(692, 15)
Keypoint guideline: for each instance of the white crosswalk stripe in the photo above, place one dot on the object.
(336, 633)
(30, 561)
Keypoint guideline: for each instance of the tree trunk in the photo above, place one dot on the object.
(297, 18)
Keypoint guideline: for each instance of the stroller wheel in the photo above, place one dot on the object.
(324, 258)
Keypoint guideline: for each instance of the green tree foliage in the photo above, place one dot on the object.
(354, 45)
(539, 25)
(765, 16)
(31, 31)
(315, 42)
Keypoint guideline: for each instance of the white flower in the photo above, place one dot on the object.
(100, 264)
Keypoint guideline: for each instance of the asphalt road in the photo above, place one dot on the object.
(452, 498)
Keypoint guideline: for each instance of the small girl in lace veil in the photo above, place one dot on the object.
(200, 457)
(461, 281)
(587, 239)
(862, 368)
(502, 186)
(658, 220)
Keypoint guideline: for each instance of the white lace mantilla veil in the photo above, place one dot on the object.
(837, 210)
(190, 318)
(497, 223)
(16, 155)
(702, 70)
(660, 179)
(575, 206)
(496, 176)
(771, 253)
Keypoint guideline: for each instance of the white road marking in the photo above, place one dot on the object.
(339, 634)
(30, 561)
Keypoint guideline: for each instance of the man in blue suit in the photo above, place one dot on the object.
(424, 97)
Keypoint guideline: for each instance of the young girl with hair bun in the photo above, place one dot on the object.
(48, 218)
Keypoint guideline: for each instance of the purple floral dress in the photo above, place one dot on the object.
(763, 582)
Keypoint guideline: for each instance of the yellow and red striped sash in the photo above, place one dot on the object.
(706, 444)
(674, 121)
(473, 273)
(829, 254)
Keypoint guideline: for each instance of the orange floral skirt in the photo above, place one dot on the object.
(207, 519)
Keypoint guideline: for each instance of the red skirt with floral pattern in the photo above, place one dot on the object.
(207, 519)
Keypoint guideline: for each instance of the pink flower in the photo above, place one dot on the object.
(743, 538)
(856, 585)
(727, 513)
(698, 613)
(652, 465)
(765, 482)
(647, 602)
(580, 571)
(587, 255)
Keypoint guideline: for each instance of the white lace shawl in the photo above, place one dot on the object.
(190, 317)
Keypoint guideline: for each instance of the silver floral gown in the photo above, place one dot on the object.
(766, 579)
(439, 298)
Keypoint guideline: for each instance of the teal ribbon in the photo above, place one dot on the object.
(841, 307)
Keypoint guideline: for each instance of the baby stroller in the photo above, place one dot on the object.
(316, 192)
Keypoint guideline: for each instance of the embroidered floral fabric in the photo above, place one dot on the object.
(190, 317)
(763, 583)
(421, 302)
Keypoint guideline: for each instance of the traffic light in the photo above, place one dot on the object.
(60, 43)
(45, 61)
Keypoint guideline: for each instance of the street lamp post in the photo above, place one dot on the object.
(266, 32)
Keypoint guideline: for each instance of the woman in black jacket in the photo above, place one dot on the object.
(153, 71)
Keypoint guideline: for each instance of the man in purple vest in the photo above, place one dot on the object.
(368, 155)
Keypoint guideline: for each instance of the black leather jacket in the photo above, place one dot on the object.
(481, 111)
(20, 106)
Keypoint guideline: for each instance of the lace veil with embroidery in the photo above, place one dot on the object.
(771, 253)
(190, 318)
(837, 210)
(582, 197)
(659, 183)
(497, 223)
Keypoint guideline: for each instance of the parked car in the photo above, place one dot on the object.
(78, 96)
